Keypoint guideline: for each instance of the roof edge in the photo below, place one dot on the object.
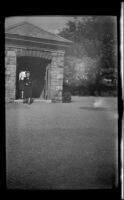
(40, 29)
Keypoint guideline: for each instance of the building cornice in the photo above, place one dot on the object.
(36, 40)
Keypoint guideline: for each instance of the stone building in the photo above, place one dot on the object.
(28, 46)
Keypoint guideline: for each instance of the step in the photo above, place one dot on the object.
(34, 100)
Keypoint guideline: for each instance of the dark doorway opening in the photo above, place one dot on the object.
(37, 67)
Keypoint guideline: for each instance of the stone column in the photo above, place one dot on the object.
(57, 66)
(10, 73)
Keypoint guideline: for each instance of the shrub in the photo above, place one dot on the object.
(66, 97)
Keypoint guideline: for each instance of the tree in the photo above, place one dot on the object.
(95, 42)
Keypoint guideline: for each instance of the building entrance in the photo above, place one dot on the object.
(38, 68)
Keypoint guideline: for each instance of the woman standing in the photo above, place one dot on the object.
(28, 87)
(22, 75)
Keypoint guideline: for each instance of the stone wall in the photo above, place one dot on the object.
(57, 66)
(10, 72)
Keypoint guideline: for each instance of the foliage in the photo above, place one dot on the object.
(66, 98)
(93, 56)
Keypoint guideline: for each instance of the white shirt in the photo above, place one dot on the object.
(22, 75)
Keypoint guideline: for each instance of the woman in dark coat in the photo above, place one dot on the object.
(28, 87)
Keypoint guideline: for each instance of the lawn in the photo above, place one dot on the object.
(61, 146)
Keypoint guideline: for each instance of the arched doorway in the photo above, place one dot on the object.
(37, 67)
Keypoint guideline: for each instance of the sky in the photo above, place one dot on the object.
(48, 23)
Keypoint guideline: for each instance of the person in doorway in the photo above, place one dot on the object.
(28, 88)
(22, 75)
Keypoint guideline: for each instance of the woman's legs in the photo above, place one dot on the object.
(29, 100)
(22, 94)
(28, 95)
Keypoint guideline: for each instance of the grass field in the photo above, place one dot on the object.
(61, 146)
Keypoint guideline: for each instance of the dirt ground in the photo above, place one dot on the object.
(61, 146)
